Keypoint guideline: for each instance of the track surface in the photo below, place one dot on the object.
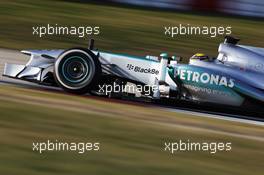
(13, 56)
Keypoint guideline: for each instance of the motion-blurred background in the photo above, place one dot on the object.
(132, 136)
(135, 27)
(237, 7)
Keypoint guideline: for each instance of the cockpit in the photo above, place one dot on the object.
(201, 57)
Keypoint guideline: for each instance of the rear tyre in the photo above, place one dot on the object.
(77, 70)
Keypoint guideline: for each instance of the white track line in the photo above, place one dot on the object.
(233, 118)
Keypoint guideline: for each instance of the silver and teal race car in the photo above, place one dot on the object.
(235, 77)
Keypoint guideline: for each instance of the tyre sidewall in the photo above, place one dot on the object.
(94, 68)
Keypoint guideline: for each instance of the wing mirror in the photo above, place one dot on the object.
(174, 58)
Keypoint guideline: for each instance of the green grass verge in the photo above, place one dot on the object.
(131, 138)
(123, 30)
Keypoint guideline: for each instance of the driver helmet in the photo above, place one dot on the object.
(200, 56)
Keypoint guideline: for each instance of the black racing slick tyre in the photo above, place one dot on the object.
(77, 70)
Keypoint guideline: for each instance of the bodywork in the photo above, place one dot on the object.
(233, 77)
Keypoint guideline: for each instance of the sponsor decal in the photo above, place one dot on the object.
(142, 69)
(206, 78)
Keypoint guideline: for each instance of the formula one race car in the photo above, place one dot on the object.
(235, 77)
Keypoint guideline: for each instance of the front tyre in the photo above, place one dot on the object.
(77, 70)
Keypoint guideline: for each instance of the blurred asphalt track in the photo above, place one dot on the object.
(14, 56)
